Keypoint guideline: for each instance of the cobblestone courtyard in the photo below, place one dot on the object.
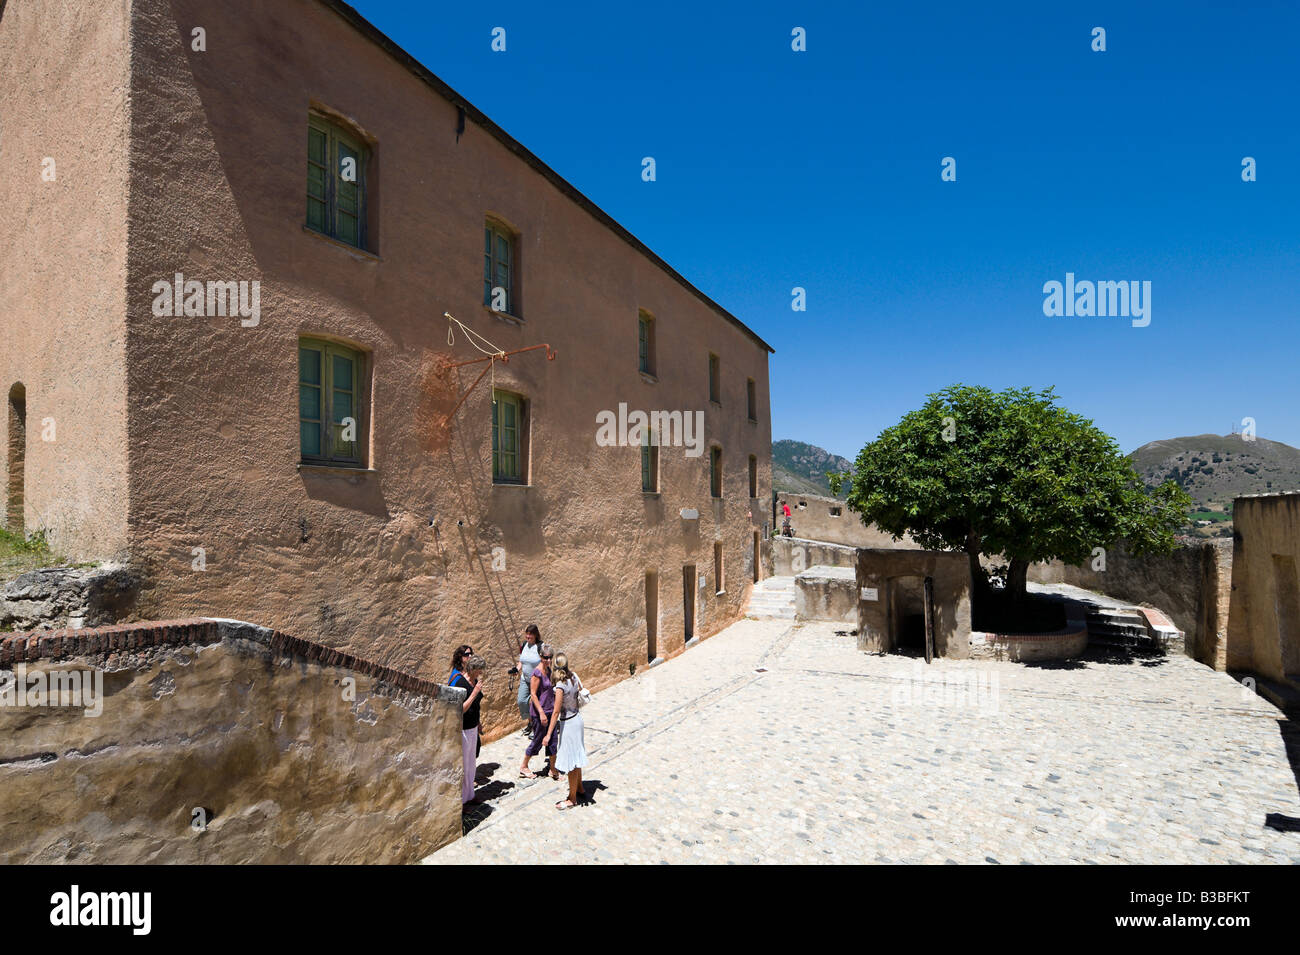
(779, 743)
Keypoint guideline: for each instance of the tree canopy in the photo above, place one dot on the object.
(1010, 474)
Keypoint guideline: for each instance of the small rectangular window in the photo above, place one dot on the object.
(719, 577)
(649, 462)
(753, 476)
(646, 344)
(751, 396)
(715, 471)
(329, 403)
(336, 182)
(499, 278)
(509, 438)
(715, 375)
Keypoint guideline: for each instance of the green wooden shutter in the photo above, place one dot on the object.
(317, 179)
(310, 400)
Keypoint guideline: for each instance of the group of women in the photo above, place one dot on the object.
(549, 699)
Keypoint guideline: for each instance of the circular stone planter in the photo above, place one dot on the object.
(1064, 644)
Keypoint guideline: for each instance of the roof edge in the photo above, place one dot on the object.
(382, 40)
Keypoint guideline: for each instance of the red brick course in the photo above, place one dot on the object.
(191, 631)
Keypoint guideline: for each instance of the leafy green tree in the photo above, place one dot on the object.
(1009, 474)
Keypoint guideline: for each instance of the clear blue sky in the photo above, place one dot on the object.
(821, 169)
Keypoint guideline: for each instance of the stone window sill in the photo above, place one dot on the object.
(342, 469)
(360, 253)
(503, 316)
(648, 378)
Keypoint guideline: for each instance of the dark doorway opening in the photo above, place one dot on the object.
(907, 614)
(688, 603)
(651, 615)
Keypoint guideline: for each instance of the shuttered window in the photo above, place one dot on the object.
(498, 269)
(509, 438)
(336, 182)
(329, 413)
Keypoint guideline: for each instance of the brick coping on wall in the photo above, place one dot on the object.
(42, 645)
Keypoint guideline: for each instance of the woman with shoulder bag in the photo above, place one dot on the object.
(571, 753)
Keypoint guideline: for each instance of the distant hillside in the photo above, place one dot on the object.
(1214, 468)
(801, 468)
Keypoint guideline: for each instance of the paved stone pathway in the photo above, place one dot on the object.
(777, 742)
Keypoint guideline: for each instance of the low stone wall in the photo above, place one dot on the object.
(1191, 585)
(791, 556)
(827, 593)
(220, 741)
(815, 518)
(55, 597)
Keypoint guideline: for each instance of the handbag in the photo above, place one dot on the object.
(584, 695)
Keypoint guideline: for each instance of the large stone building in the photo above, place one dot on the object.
(298, 454)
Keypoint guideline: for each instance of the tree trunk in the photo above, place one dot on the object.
(977, 582)
(1016, 576)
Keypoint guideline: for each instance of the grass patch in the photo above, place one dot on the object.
(19, 554)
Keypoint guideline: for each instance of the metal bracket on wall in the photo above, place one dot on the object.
(503, 357)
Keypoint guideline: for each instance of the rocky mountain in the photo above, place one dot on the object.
(801, 468)
(1215, 468)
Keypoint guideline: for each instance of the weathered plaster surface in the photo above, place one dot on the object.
(63, 96)
(283, 766)
(882, 569)
(1264, 621)
(218, 192)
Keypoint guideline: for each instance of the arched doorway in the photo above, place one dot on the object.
(17, 435)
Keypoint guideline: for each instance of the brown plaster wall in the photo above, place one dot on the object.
(218, 193)
(63, 95)
(252, 728)
(1264, 622)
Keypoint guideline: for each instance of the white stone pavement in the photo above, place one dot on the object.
(833, 755)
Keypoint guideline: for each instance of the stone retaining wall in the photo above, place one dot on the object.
(221, 741)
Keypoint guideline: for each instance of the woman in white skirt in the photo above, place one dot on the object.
(571, 754)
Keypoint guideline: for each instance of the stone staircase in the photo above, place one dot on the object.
(1118, 628)
(771, 599)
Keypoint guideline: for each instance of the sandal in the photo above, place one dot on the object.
(527, 775)
(565, 804)
(555, 774)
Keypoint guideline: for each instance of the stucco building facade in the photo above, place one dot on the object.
(289, 442)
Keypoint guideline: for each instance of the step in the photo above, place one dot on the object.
(783, 613)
